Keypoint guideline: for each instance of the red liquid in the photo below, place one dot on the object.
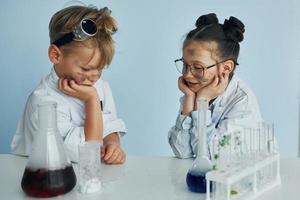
(48, 183)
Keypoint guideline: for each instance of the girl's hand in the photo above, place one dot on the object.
(111, 153)
(184, 88)
(82, 92)
(215, 88)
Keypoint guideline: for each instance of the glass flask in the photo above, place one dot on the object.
(48, 172)
(195, 178)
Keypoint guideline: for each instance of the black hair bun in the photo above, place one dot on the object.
(208, 19)
(234, 29)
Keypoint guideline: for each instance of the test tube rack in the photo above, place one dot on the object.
(250, 171)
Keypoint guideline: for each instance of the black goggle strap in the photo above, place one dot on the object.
(67, 38)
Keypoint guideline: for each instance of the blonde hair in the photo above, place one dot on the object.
(65, 20)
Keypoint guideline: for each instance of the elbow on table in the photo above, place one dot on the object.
(181, 153)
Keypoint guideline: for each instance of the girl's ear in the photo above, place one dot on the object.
(54, 54)
(228, 66)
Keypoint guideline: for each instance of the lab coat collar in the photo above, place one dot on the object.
(222, 99)
(53, 79)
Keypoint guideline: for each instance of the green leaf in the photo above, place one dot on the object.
(216, 156)
(233, 192)
(215, 167)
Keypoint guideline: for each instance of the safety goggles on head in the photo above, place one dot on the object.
(86, 29)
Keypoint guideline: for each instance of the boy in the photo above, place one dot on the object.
(81, 45)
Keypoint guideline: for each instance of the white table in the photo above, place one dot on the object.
(142, 178)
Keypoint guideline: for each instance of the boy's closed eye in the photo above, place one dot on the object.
(85, 69)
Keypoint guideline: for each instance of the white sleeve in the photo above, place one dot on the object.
(111, 122)
(179, 137)
(72, 134)
(182, 135)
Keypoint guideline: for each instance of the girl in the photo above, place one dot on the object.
(210, 54)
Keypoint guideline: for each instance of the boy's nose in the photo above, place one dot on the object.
(94, 75)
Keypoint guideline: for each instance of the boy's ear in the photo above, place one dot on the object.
(54, 54)
(228, 66)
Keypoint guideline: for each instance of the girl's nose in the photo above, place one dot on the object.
(188, 73)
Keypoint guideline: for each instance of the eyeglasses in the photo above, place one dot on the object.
(196, 69)
(87, 28)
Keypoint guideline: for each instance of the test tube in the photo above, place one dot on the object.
(214, 151)
(231, 151)
(266, 170)
(238, 147)
(227, 153)
(265, 143)
(271, 149)
(252, 145)
(262, 140)
(273, 169)
(271, 139)
(247, 143)
(259, 141)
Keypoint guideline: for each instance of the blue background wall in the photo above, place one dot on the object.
(143, 77)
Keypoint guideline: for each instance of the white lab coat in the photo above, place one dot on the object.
(70, 116)
(237, 105)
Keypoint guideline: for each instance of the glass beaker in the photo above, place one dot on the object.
(89, 167)
(48, 172)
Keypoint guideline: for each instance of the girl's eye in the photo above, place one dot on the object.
(198, 67)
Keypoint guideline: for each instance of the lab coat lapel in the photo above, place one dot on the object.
(221, 105)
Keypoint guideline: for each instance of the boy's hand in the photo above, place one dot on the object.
(82, 92)
(111, 153)
(184, 88)
(215, 88)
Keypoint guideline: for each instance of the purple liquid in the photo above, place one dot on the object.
(196, 182)
(48, 183)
